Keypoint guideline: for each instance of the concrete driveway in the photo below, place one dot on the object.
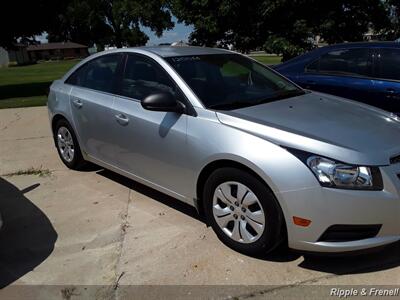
(95, 234)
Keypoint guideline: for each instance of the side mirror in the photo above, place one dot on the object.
(163, 102)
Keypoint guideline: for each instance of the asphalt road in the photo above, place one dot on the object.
(95, 234)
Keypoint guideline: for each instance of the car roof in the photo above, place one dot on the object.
(363, 44)
(313, 54)
(170, 51)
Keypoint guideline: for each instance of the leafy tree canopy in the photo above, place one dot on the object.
(104, 22)
(287, 27)
(111, 22)
(281, 26)
(392, 32)
(25, 19)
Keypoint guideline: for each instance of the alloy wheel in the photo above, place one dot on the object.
(65, 144)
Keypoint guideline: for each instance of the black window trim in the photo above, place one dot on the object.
(371, 60)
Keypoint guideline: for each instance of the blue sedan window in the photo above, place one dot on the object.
(352, 62)
(389, 64)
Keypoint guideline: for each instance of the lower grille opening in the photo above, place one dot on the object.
(347, 233)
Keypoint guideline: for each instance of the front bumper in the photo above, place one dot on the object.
(326, 207)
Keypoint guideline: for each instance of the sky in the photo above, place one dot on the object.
(178, 33)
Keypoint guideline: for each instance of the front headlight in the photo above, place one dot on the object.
(335, 174)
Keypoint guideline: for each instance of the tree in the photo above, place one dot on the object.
(111, 22)
(392, 32)
(25, 19)
(79, 21)
(104, 22)
(334, 21)
(286, 27)
(224, 22)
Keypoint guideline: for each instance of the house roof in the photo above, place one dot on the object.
(54, 46)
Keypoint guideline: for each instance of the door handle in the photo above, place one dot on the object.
(390, 91)
(77, 103)
(122, 119)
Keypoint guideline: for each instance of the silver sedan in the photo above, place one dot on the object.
(264, 160)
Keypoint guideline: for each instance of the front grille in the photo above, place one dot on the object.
(395, 160)
(347, 233)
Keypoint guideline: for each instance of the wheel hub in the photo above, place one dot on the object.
(238, 212)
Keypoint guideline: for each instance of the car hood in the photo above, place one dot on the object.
(322, 124)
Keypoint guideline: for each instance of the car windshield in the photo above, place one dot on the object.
(231, 81)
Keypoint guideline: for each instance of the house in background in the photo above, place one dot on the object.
(65, 50)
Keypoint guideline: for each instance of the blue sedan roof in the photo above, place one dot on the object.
(364, 44)
(305, 58)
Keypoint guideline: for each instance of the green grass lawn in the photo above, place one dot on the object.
(267, 59)
(23, 86)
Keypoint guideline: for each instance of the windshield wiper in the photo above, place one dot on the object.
(231, 105)
(241, 104)
(281, 96)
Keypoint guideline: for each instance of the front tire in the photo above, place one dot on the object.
(243, 212)
(67, 145)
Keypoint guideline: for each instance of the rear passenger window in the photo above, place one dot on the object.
(389, 64)
(143, 77)
(98, 74)
(352, 62)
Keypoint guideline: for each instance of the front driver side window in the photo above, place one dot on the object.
(143, 77)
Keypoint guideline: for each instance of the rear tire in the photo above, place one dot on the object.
(67, 145)
(243, 211)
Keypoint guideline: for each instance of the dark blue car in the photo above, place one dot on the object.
(367, 72)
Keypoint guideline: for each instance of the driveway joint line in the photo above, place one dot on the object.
(26, 138)
(124, 227)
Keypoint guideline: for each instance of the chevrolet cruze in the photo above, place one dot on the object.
(264, 160)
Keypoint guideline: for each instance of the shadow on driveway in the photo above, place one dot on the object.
(386, 258)
(24, 90)
(27, 237)
(153, 194)
(381, 259)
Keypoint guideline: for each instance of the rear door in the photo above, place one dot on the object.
(341, 72)
(91, 101)
(387, 84)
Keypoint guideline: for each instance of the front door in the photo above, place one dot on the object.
(149, 144)
(387, 84)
